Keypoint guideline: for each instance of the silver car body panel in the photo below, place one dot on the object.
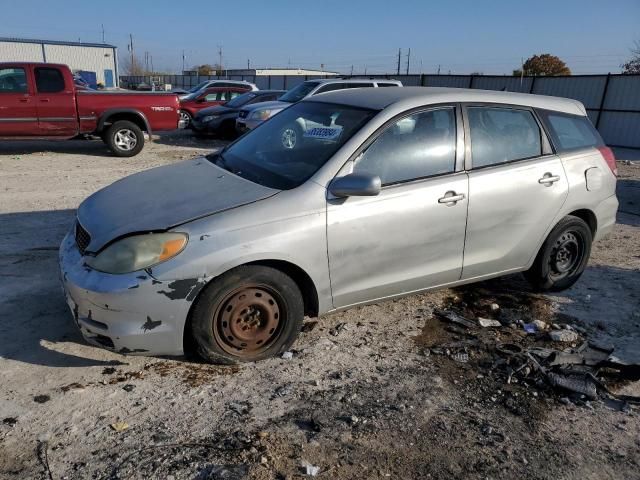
(163, 197)
(355, 250)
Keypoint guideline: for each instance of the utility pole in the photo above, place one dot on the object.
(182, 62)
(399, 55)
(151, 60)
(132, 57)
(438, 69)
(352, 70)
(408, 60)
(102, 25)
(248, 64)
(220, 57)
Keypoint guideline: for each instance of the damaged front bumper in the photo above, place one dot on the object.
(132, 313)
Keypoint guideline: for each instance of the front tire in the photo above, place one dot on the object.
(247, 314)
(185, 120)
(124, 138)
(563, 256)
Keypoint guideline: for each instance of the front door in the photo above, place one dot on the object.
(411, 235)
(516, 188)
(56, 103)
(18, 114)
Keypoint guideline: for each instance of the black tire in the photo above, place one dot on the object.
(563, 256)
(124, 138)
(266, 320)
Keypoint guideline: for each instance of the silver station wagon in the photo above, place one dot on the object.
(386, 192)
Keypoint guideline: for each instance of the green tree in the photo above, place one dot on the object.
(544, 64)
(207, 69)
(633, 65)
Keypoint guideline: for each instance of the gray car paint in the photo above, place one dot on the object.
(354, 250)
(163, 197)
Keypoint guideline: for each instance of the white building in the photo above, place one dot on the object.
(99, 58)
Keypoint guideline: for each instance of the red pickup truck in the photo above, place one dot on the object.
(41, 101)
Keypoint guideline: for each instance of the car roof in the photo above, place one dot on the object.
(409, 97)
(266, 92)
(352, 80)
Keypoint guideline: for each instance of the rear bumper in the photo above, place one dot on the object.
(129, 313)
(606, 216)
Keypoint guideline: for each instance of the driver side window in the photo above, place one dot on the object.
(418, 146)
(213, 97)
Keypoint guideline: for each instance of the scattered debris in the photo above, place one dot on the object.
(487, 322)
(453, 317)
(566, 336)
(338, 329)
(287, 355)
(120, 426)
(309, 326)
(41, 398)
(72, 386)
(309, 469)
(129, 387)
(460, 357)
(43, 457)
(494, 307)
(11, 421)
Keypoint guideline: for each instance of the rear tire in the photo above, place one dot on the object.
(185, 120)
(124, 138)
(563, 256)
(247, 314)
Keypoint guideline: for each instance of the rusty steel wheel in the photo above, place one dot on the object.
(247, 314)
(248, 320)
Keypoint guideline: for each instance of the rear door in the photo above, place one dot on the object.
(18, 114)
(517, 185)
(411, 235)
(56, 103)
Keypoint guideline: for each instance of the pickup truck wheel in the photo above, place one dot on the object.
(562, 257)
(125, 139)
(185, 119)
(247, 314)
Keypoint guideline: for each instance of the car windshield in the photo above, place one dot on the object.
(240, 100)
(298, 93)
(285, 151)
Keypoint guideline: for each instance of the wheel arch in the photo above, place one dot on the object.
(589, 218)
(302, 279)
(109, 117)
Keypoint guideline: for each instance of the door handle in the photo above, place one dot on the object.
(451, 198)
(23, 100)
(547, 179)
(45, 100)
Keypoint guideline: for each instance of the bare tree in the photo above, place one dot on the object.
(133, 66)
(633, 65)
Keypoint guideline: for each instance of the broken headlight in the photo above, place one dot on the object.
(138, 252)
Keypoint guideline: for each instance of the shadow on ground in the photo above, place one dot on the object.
(33, 312)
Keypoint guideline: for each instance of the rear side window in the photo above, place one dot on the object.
(500, 135)
(13, 80)
(421, 145)
(49, 80)
(570, 132)
(382, 84)
(330, 87)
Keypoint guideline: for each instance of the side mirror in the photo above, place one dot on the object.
(356, 185)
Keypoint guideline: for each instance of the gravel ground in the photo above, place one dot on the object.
(369, 393)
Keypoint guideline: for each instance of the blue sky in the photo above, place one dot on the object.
(461, 36)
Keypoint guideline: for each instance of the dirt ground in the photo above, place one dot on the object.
(372, 393)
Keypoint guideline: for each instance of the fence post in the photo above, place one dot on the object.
(422, 78)
(471, 81)
(269, 86)
(285, 82)
(604, 96)
(533, 81)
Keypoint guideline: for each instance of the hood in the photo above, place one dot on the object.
(163, 197)
(217, 110)
(271, 105)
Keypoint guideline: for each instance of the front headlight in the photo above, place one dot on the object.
(208, 118)
(138, 252)
(260, 114)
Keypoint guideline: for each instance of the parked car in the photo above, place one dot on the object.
(222, 118)
(209, 97)
(41, 100)
(253, 115)
(215, 83)
(398, 190)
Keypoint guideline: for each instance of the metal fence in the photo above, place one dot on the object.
(612, 101)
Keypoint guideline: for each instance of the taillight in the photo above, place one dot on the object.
(610, 158)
